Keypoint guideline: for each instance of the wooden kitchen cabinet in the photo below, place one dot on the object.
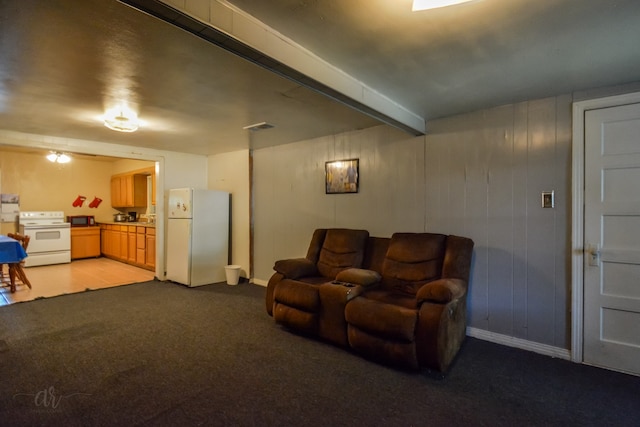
(150, 236)
(124, 243)
(126, 191)
(114, 247)
(141, 245)
(114, 241)
(85, 242)
(129, 191)
(110, 247)
(132, 244)
(152, 173)
(116, 198)
(118, 192)
(103, 229)
(121, 196)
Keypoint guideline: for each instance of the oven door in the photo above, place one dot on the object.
(48, 238)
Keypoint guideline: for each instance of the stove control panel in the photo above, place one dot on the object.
(42, 217)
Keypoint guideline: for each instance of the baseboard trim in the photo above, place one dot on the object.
(545, 349)
(259, 282)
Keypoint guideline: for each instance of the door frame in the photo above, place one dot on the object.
(577, 223)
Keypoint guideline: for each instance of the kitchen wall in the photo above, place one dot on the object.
(128, 165)
(230, 172)
(46, 186)
(478, 175)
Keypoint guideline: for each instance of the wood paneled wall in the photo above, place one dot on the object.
(485, 174)
(479, 175)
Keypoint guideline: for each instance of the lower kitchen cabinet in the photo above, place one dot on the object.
(124, 248)
(129, 244)
(85, 242)
(141, 245)
(150, 254)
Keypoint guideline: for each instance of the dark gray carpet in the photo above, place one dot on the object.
(162, 354)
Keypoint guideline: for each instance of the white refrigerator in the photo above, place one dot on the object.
(197, 236)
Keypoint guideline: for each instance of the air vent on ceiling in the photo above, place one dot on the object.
(258, 126)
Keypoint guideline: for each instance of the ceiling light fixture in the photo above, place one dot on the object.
(57, 157)
(121, 119)
(259, 126)
(433, 4)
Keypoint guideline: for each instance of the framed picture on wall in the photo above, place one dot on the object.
(342, 176)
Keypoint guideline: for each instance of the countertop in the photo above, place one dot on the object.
(140, 224)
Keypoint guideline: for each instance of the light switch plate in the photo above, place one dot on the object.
(548, 199)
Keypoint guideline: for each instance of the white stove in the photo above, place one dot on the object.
(50, 237)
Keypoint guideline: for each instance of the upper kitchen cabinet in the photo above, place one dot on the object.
(129, 191)
(151, 186)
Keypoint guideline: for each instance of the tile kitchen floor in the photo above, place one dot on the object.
(77, 276)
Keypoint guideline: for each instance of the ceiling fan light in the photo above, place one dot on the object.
(57, 157)
(433, 4)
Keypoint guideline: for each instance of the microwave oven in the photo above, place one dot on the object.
(81, 220)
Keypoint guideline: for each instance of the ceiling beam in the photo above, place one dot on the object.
(234, 30)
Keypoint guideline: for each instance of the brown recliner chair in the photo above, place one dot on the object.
(293, 292)
(416, 316)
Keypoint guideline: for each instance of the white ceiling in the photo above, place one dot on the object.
(63, 61)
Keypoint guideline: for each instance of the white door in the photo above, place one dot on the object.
(612, 238)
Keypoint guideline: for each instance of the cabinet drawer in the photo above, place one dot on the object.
(85, 231)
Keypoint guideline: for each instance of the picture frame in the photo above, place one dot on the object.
(342, 176)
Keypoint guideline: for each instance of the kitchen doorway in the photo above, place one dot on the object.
(55, 187)
(78, 276)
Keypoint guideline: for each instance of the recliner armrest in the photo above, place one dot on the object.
(359, 276)
(441, 291)
(296, 268)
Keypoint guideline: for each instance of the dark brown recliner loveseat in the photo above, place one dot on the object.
(400, 300)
